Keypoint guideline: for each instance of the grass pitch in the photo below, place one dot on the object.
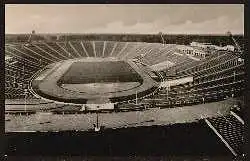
(100, 72)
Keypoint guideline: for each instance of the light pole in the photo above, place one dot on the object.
(97, 121)
(25, 95)
(136, 98)
(163, 41)
(97, 128)
(233, 87)
(235, 42)
(25, 92)
(234, 76)
(167, 92)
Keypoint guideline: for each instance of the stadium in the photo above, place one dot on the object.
(70, 82)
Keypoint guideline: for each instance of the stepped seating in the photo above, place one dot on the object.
(16, 60)
(68, 50)
(190, 63)
(117, 48)
(162, 53)
(22, 67)
(72, 50)
(225, 80)
(39, 54)
(99, 45)
(17, 78)
(47, 52)
(150, 55)
(188, 93)
(129, 107)
(89, 48)
(231, 130)
(58, 49)
(199, 68)
(22, 53)
(129, 48)
(39, 50)
(109, 47)
(79, 48)
(221, 70)
(212, 87)
(139, 49)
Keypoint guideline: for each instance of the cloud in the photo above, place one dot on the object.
(35, 17)
(119, 27)
(194, 19)
(219, 25)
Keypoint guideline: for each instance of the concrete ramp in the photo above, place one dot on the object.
(161, 66)
(176, 82)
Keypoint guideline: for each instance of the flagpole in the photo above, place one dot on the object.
(136, 98)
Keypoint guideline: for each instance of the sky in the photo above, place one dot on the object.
(139, 19)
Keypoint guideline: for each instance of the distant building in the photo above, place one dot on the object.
(198, 44)
(210, 46)
(190, 50)
(229, 47)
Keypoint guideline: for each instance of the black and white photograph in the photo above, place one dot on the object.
(172, 73)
